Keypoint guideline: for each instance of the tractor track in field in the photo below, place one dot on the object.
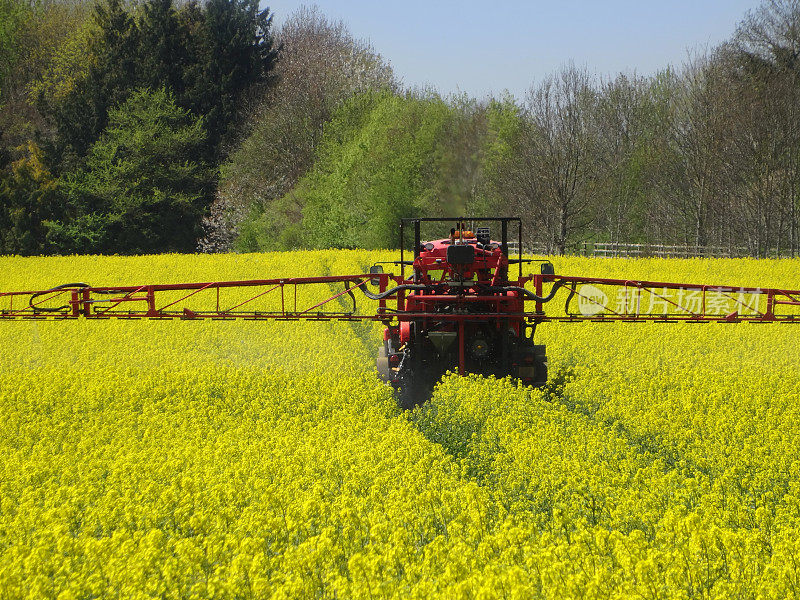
(647, 450)
(556, 392)
(652, 449)
(363, 330)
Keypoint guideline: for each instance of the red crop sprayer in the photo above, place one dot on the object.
(454, 306)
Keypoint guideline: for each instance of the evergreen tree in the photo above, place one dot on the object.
(145, 169)
(116, 50)
(144, 189)
(109, 81)
(161, 52)
(239, 53)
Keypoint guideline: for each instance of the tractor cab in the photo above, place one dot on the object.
(459, 259)
(468, 256)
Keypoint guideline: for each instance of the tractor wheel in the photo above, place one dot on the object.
(415, 389)
(382, 364)
(540, 367)
(408, 392)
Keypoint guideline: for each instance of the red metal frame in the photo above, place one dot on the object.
(419, 306)
(142, 301)
(675, 310)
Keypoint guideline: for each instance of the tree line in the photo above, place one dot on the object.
(155, 127)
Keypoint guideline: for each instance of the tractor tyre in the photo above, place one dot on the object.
(382, 364)
(540, 369)
(408, 393)
(415, 389)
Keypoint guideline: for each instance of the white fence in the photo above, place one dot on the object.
(625, 250)
(513, 249)
(618, 249)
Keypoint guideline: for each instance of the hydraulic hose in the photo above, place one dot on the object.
(352, 297)
(510, 288)
(54, 289)
(380, 296)
(529, 294)
(569, 299)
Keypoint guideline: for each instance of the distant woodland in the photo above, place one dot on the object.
(161, 126)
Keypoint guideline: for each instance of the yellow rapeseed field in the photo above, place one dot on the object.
(187, 459)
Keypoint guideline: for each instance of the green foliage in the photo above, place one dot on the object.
(132, 175)
(505, 127)
(143, 190)
(382, 157)
(146, 169)
(50, 53)
(64, 36)
(361, 184)
(12, 14)
(321, 66)
(115, 50)
(160, 49)
(460, 159)
(29, 198)
(238, 53)
(208, 57)
(334, 154)
(83, 115)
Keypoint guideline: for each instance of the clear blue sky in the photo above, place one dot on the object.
(485, 47)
